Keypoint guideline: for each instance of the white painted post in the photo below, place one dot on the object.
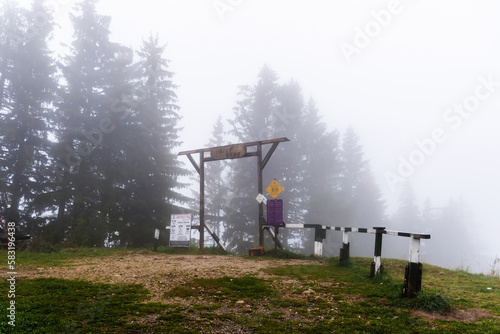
(378, 261)
(318, 248)
(414, 250)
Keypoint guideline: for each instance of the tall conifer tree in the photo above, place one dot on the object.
(95, 76)
(27, 89)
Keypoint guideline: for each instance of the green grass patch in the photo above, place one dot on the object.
(49, 305)
(224, 288)
(285, 254)
(62, 256)
(429, 302)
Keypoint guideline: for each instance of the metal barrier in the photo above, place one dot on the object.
(413, 271)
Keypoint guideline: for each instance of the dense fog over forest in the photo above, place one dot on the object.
(391, 109)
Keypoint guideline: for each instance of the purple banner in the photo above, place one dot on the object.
(275, 212)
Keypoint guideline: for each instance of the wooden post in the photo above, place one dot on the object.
(319, 235)
(260, 190)
(202, 201)
(413, 272)
(276, 230)
(376, 264)
(344, 251)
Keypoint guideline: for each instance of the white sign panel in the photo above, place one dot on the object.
(261, 198)
(180, 230)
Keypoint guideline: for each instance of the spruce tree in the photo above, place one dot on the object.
(216, 186)
(306, 166)
(149, 169)
(319, 165)
(95, 76)
(452, 243)
(358, 198)
(407, 218)
(27, 88)
(252, 116)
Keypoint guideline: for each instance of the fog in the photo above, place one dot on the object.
(419, 81)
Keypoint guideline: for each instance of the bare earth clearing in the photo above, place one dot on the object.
(161, 272)
(158, 272)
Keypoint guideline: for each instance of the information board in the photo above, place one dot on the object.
(275, 212)
(180, 231)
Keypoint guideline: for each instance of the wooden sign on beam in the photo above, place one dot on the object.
(228, 152)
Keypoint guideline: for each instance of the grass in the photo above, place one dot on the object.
(224, 288)
(193, 250)
(61, 257)
(62, 306)
(312, 298)
(285, 254)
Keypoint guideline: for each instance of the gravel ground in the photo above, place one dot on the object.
(157, 272)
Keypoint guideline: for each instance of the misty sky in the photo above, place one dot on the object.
(418, 80)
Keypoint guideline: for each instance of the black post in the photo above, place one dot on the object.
(202, 201)
(276, 237)
(344, 254)
(261, 190)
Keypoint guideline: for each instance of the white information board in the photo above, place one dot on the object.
(180, 230)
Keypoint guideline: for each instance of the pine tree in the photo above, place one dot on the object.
(320, 168)
(27, 88)
(451, 244)
(252, 116)
(354, 166)
(428, 223)
(407, 218)
(95, 76)
(428, 218)
(216, 187)
(358, 197)
(286, 164)
(306, 166)
(148, 168)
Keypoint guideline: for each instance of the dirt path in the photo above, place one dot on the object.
(157, 272)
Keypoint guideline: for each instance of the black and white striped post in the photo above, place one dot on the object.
(344, 251)
(376, 267)
(413, 271)
(319, 236)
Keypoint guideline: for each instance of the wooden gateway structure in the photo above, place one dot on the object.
(235, 151)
